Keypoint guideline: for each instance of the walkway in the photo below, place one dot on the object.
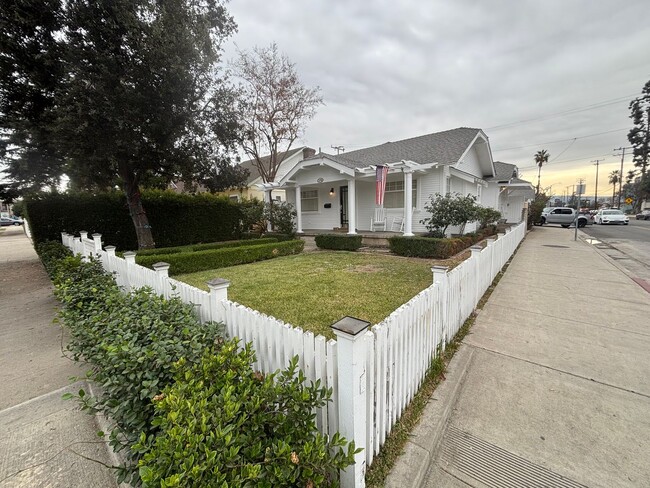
(555, 385)
(40, 434)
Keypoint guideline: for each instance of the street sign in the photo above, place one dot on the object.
(629, 201)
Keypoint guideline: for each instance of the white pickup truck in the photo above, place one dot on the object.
(565, 216)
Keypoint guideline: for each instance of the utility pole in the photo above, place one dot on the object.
(596, 187)
(339, 149)
(620, 177)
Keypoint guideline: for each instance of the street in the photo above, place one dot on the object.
(628, 245)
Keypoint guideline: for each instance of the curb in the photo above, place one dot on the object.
(420, 451)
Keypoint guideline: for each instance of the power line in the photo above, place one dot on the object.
(592, 106)
(562, 140)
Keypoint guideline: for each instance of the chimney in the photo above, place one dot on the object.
(308, 152)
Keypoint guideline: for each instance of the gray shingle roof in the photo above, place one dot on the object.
(503, 171)
(254, 172)
(441, 147)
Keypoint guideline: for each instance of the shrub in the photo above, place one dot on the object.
(450, 209)
(340, 242)
(281, 215)
(280, 236)
(223, 424)
(535, 209)
(51, 253)
(427, 247)
(205, 247)
(130, 342)
(487, 216)
(191, 262)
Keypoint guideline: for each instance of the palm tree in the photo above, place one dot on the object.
(541, 157)
(614, 179)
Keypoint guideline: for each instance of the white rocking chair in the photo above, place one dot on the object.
(378, 220)
(397, 225)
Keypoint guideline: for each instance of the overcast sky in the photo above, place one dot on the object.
(516, 69)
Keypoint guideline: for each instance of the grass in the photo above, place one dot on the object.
(314, 290)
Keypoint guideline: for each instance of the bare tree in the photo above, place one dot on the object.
(275, 106)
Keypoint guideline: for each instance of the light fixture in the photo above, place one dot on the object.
(332, 191)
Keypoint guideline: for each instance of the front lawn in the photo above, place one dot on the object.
(314, 290)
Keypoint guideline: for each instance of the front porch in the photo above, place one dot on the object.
(369, 239)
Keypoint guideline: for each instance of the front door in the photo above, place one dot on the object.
(343, 192)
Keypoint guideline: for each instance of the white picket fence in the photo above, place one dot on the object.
(373, 372)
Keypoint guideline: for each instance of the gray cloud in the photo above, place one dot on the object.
(391, 70)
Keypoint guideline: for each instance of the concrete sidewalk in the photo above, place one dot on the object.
(42, 437)
(552, 385)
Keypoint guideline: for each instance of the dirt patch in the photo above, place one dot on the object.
(364, 268)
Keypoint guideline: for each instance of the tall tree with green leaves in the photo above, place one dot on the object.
(541, 158)
(142, 96)
(31, 71)
(639, 137)
(115, 93)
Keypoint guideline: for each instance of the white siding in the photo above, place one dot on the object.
(490, 196)
(324, 218)
(470, 163)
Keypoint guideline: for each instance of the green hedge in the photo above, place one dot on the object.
(175, 219)
(192, 262)
(339, 242)
(204, 247)
(428, 247)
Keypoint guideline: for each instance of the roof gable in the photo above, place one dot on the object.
(254, 173)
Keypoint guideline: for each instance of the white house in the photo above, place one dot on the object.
(338, 191)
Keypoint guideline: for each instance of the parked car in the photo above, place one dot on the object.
(644, 215)
(5, 221)
(611, 216)
(565, 216)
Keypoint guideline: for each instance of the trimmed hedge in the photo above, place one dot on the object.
(191, 262)
(339, 242)
(175, 219)
(205, 247)
(426, 247)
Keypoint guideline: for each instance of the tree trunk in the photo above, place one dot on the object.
(137, 212)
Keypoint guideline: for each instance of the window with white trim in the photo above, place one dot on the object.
(394, 195)
(309, 200)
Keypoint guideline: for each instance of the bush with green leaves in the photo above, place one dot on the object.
(191, 262)
(339, 242)
(51, 253)
(535, 209)
(206, 246)
(130, 342)
(223, 424)
(487, 216)
(449, 210)
(427, 247)
(281, 215)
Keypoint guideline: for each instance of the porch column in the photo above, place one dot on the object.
(298, 211)
(352, 207)
(267, 199)
(408, 201)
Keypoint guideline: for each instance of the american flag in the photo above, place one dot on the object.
(380, 186)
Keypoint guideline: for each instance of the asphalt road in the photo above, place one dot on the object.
(628, 245)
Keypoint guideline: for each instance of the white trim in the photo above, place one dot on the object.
(482, 135)
(324, 161)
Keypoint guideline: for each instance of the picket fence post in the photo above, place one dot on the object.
(352, 398)
(129, 257)
(97, 239)
(162, 274)
(218, 293)
(440, 277)
(476, 256)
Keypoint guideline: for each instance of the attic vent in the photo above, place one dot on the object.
(320, 180)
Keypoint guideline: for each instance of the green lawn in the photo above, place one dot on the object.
(313, 290)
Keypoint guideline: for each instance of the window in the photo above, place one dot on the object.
(309, 200)
(234, 198)
(394, 196)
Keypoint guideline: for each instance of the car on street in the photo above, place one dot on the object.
(6, 221)
(644, 215)
(611, 216)
(565, 216)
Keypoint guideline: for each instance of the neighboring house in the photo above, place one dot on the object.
(289, 160)
(338, 191)
(513, 191)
